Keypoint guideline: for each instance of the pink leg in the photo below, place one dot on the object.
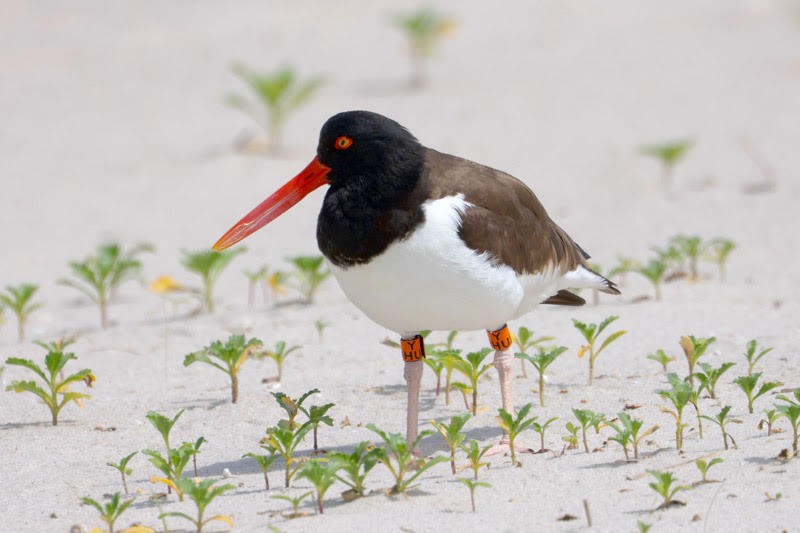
(413, 374)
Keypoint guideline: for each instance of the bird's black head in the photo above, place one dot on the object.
(361, 145)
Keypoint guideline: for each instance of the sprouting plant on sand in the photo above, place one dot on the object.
(193, 448)
(720, 419)
(694, 347)
(321, 473)
(540, 362)
(692, 248)
(513, 426)
(588, 418)
(202, 493)
(709, 376)
(254, 279)
(718, 251)
(643, 527)
(279, 355)
(452, 435)
(227, 357)
(317, 415)
(398, 457)
(628, 433)
(475, 456)
(571, 438)
(654, 272)
(694, 399)
(123, 469)
(286, 440)
(449, 359)
(749, 385)
(790, 409)
(356, 465)
(308, 275)
(472, 485)
(264, 461)
(435, 361)
(55, 393)
(277, 284)
(98, 276)
(278, 94)
(752, 357)
(661, 357)
(18, 299)
(679, 395)
(673, 259)
(111, 510)
(174, 462)
(770, 417)
(621, 269)
(591, 332)
(472, 367)
(292, 406)
(524, 340)
(424, 29)
(540, 429)
(321, 325)
(704, 466)
(665, 486)
(668, 154)
(294, 502)
(209, 265)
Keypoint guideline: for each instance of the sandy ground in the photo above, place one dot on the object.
(114, 128)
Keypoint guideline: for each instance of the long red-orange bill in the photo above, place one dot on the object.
(312, 177)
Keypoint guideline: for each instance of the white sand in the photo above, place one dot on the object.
(114, 128)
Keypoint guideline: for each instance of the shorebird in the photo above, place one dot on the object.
(422, 240)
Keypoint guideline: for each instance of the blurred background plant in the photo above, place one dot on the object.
(424, 30)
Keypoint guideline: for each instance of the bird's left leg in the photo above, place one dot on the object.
(413, 352)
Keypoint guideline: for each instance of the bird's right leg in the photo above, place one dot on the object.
(413, 352)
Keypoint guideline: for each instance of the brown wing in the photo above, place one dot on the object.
(508, 221)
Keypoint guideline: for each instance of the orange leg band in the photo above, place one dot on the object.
(500, 339)
(413, 349)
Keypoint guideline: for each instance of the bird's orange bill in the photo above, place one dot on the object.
(312, 177)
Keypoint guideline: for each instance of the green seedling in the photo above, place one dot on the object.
(623, 266)
(122, 468)
(753, 357)
(790, 409)
(111, 510)
(693, 348)
(176, 459)
(718, 251)
(308, 275)
(18, 299)
(449, 359)
(55, 393)
(435, 361)
(279, 355)
(424, 29)
(643, 527)
(679, 395)
(292, 406)
(209, 265)
(540, 362)
(661, 357)
(202, 493)
(704, 467)
(227, 357)
(286, 441)
(264, 461)
(673, 259)
(748, 385)
(654, 272)
(475, 456)
(668, 154)
(524, 340)
(398, 457)
(101, 274)
(709, 376)
(472, 485)
(586, 419)
(356, 465)
(540, 429)
(692, 248)
(194, 448)
(277, 284)
(316, 416)
(591, 332)
(320, 325)
(466, 392)
(321, 473)
(452, 435)
(295, 502)
(571, 438)
(513, 426)
(472, 367)
(278, 94)
(721, 419)
(628, 433)
(663, 485)
(772, 416)
(254, 279)
(694, 399)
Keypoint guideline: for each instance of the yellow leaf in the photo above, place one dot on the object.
(165, 481)
(688, 347)
(582, 350)
(139, 529)
(164, 284)
(89, 379)
(221, 518)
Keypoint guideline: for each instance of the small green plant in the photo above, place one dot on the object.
(571, 438)
(472, 485)
(122, 468)
(771, 416)
(292, 406)
(174, 462)
(591, 332)
(628, 433)
(472, 367)
(693, 348)
(654, 272)
(317, 415)
(100, 275)
(661, 357)
(452, 435)
(668, 154)
(55, 393)
(694, 399)
(279, 355)
(679, 395)
(719, 250)
(320, 325)
(202, 493)
(321, 473)
(449, 359)
(753, 357)
(424, 29)
(356, 465)
(721, 419)
(111, 510)
(308, 275)
(540, 429)
(790, 409)
(475, 456)
(673, 259)
(193, 448)
(294, 502)
(278, 94)
(748, 385)
(704, 466)
(286, 440)
(664, 486)
(692, 248)
(398, 457)
(513, 426)
(621, 269)
(643, 527)
(540, 362)
(587, 418)
(435, 361)
(254, 279)
(209, 265)
(524, 340)
(18, 299)
(709, 376)
(264, 461)
(227, 357)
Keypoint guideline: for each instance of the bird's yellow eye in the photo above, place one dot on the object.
(343, 143)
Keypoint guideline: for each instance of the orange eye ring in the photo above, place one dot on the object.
(343, 143)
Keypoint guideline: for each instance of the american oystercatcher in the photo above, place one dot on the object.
(421, 240)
